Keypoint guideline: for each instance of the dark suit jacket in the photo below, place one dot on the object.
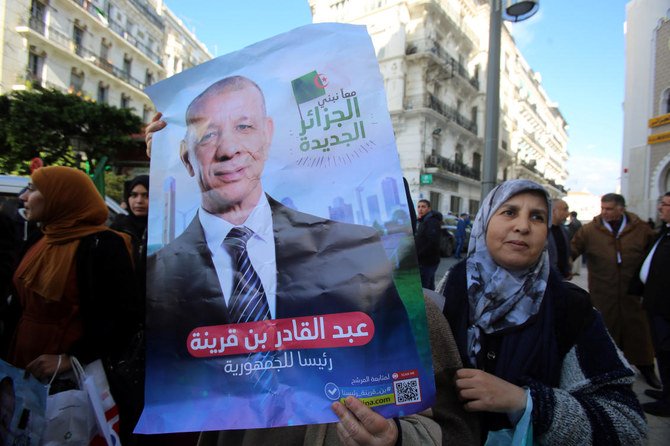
(322, 267)
(656, 297)
(559, 257)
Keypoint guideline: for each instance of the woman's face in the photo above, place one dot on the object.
(139, 201)
(517, 231)
(33, 202)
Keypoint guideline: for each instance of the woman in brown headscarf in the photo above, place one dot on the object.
(74, 284)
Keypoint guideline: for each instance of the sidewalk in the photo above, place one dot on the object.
(659, 428)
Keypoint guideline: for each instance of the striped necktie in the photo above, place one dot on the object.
(247, 302)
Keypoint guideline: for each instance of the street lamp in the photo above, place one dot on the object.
(516, 11)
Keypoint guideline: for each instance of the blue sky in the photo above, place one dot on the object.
(577, 47)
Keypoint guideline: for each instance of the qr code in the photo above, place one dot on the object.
(407, 391)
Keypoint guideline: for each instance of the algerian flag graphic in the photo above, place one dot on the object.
(307, 87)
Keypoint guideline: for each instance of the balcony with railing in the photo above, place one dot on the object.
(37, 25)
(531, 166)
(66, 42)
(455, 66)
(30, 79)
(34, 81)
(149, 13)
(451, 114)
(453, 166)
(121, 30)
(560, 187)
(451, 64)
(457, 17)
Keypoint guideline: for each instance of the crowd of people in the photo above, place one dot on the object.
(517, 350)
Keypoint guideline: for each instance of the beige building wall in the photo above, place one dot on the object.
(585, 203)
(432, 56)
(105, 50)
(659, 153)
(645, 165)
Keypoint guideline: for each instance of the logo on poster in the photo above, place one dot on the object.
(321, 81)
(332, 131)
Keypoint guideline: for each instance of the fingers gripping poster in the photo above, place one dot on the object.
(281, 271)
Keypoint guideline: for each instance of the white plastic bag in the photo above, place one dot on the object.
(104, 406)
(70, 419)
(84, 416)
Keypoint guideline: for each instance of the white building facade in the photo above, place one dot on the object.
(104, 50)
(646, 137)
(433, 56)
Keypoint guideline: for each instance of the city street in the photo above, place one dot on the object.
(659, 428)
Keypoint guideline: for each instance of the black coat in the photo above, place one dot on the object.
(108, 300)
(136, 228)
(427, 238)
(656, 295)
(533, 351)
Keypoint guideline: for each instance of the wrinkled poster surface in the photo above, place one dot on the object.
(331, 245)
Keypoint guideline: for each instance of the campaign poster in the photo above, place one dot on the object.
(23, 402)
(281, 273)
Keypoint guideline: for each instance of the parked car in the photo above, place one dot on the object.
(12, 185)
(447, 242)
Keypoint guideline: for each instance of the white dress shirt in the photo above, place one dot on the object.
(260, 247)
(644, 270)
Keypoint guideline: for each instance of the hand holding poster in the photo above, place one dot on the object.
(272, 290)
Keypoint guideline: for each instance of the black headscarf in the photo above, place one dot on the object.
(140, 179)
(132, 224)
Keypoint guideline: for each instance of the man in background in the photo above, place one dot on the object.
(559, 244)
(615, 244)
(573, 227)
(656, 300)
(461, 228)
(427, 240)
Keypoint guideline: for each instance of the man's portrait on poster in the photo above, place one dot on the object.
(245, 257)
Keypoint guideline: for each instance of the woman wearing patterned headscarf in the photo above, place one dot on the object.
(533, 346)
(71, 284)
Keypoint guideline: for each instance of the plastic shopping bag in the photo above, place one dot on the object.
(84, 416)
(521, 435)
(70, 417)
(104, 406)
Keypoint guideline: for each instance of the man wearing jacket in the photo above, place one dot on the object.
(615, 244)
(427, 239)
(559, 243)
(461, 233)
(656, 300)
